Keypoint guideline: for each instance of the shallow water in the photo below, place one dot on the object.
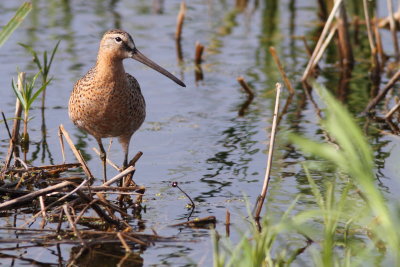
(191, 135)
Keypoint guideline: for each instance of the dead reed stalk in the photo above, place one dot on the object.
(393, 30)
(392, 111)
(281, 70)
(261, 198)
(76, 152)
(324, 33)
(179, 21)
(383, 92)
(249, 92)
(199, 53)
(12, 148)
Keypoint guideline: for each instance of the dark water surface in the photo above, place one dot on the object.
(191, 135)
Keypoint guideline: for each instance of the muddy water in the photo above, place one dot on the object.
(191, 135)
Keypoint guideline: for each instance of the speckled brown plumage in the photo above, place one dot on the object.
(107, 101)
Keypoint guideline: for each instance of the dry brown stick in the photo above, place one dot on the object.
(321, 39)
(6, 124)
(136, 240)
(119, 176)
(76, 152)
(112, 164)
(261, 198)
(123, 242)
(378, 39)
(72, 224)
(33, 195)
(199, 53)
(88, 205)
(58, 200)
(97, 209)
(346, 51)
(393, 29)
(249, 92)
(368, 24)
(392, 111)
(281, 70)
(42, 207)
(17, 122)
(383, 92)
(227, 222)
(245, 87)
(128, 179)
(179, 21)
(324, 45)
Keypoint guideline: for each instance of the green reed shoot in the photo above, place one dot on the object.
(14, 23)
(44, 67)
(27, 95)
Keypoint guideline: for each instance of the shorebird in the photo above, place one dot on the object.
(107, 101)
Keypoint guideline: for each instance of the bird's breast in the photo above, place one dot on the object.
(107, 109)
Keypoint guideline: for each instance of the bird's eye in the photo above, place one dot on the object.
(118, 39)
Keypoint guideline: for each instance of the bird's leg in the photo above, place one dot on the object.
(125, 140)
(103, 157)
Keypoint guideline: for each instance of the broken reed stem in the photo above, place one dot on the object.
(378, 39)
(383, 92)
(42, 207)
(198, 53)
(249, 92)
(62, 145)
(227, 222)
(33, 195)
(369, 33)
(112, 164)
(245, 87)
(12, 149)
(324, 46)
(346, 51)
(72, 224)
(5, 122)
(320, 40)
(123, 242)
(76, 152)
(393, 29)
(281, 70)
(179, 21)
(392, 111)
(261, 198)
(119, 176)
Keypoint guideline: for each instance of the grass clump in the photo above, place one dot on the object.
(351, 223)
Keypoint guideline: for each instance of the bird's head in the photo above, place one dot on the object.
(119, 44)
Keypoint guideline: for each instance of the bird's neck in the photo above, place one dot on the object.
(109, 68)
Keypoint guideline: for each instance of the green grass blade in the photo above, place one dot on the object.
(33, 53)
(53, 53)
(13, 24)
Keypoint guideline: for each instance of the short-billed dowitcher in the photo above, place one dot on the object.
(107, 101)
